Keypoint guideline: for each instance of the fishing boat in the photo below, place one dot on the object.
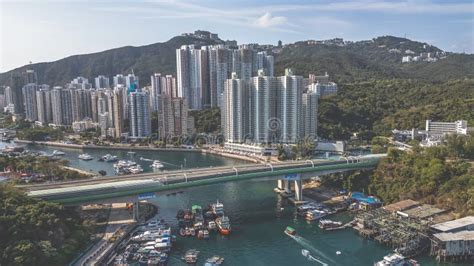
(137, 169)
(325, 224)
(315, 215)
(223, 225)
(205, 234)
(191, 256)
(218, 208)
(85, 157)
(200, 234)
(214, 260)
(396, 259)
(108, 158)
(58, 153)
(211, 225)
(157, 165)
(290, 231)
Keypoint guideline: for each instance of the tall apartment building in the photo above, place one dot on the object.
(156, 89)
(101, 82)
(265, 124)
(236, 109)
(43, 101)
(140, 120)
(172, 116)
(201, 73)
(8, 95)
(81, 104)
(267, 109)
(265, 62)
(131, 82)
(119, 80)
(61, 106)
(29, 101)
(80, 83)
(31, 77)
(118, 112)
(309, 125)
(290, 89)
(16, 86)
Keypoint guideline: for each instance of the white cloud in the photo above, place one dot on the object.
(269, 21)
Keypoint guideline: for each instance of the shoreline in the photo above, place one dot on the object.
(137, 148)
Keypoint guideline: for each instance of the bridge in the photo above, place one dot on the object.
(93, 190)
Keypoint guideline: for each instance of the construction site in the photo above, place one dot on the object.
(404, 226)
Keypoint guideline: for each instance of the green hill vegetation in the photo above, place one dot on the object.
(376, 107)
(35, 232)
(436, 175)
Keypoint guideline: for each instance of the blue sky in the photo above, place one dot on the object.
(41, 31)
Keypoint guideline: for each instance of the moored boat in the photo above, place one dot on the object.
(396, 259)
(325, 224)
(191, 256)
(157, 164)
(108, 158)
(58, 153)
(218, 208)
(223, 225)
(315, 215)
(85, 157)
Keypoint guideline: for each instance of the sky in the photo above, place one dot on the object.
(42, 31)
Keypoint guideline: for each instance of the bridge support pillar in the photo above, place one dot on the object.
(287, 186)
(280, 185)
(298, 190)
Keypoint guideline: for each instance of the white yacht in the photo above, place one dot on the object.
(58, 153)
(396, 259)
(157, 164)
(109, 158)
(85, 157)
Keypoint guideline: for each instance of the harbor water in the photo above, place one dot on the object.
(258, 217)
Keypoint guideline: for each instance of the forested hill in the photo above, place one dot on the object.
(144, 60)
(379, 58)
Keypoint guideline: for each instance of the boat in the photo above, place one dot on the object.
(102, 172)
(211, 225)
(325, 224)
(396, 259)
(290, 231)
(58, 153)
(85, 157)
(137, 169)
(191, 256)
(108, 158)
(200, 234)
(205, 234)
(315, 215)
(218, 208)
(214, 260)
(305, 252)
(157, 165)
(223, 225)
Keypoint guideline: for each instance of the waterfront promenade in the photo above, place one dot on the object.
(129, 147)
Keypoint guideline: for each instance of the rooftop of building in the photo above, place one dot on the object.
(401, 205)
(423, 211)
(454, 224)
(461, 235)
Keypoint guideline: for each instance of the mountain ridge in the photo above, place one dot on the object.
(345, 62)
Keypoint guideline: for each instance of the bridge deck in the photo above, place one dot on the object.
(97, 189)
